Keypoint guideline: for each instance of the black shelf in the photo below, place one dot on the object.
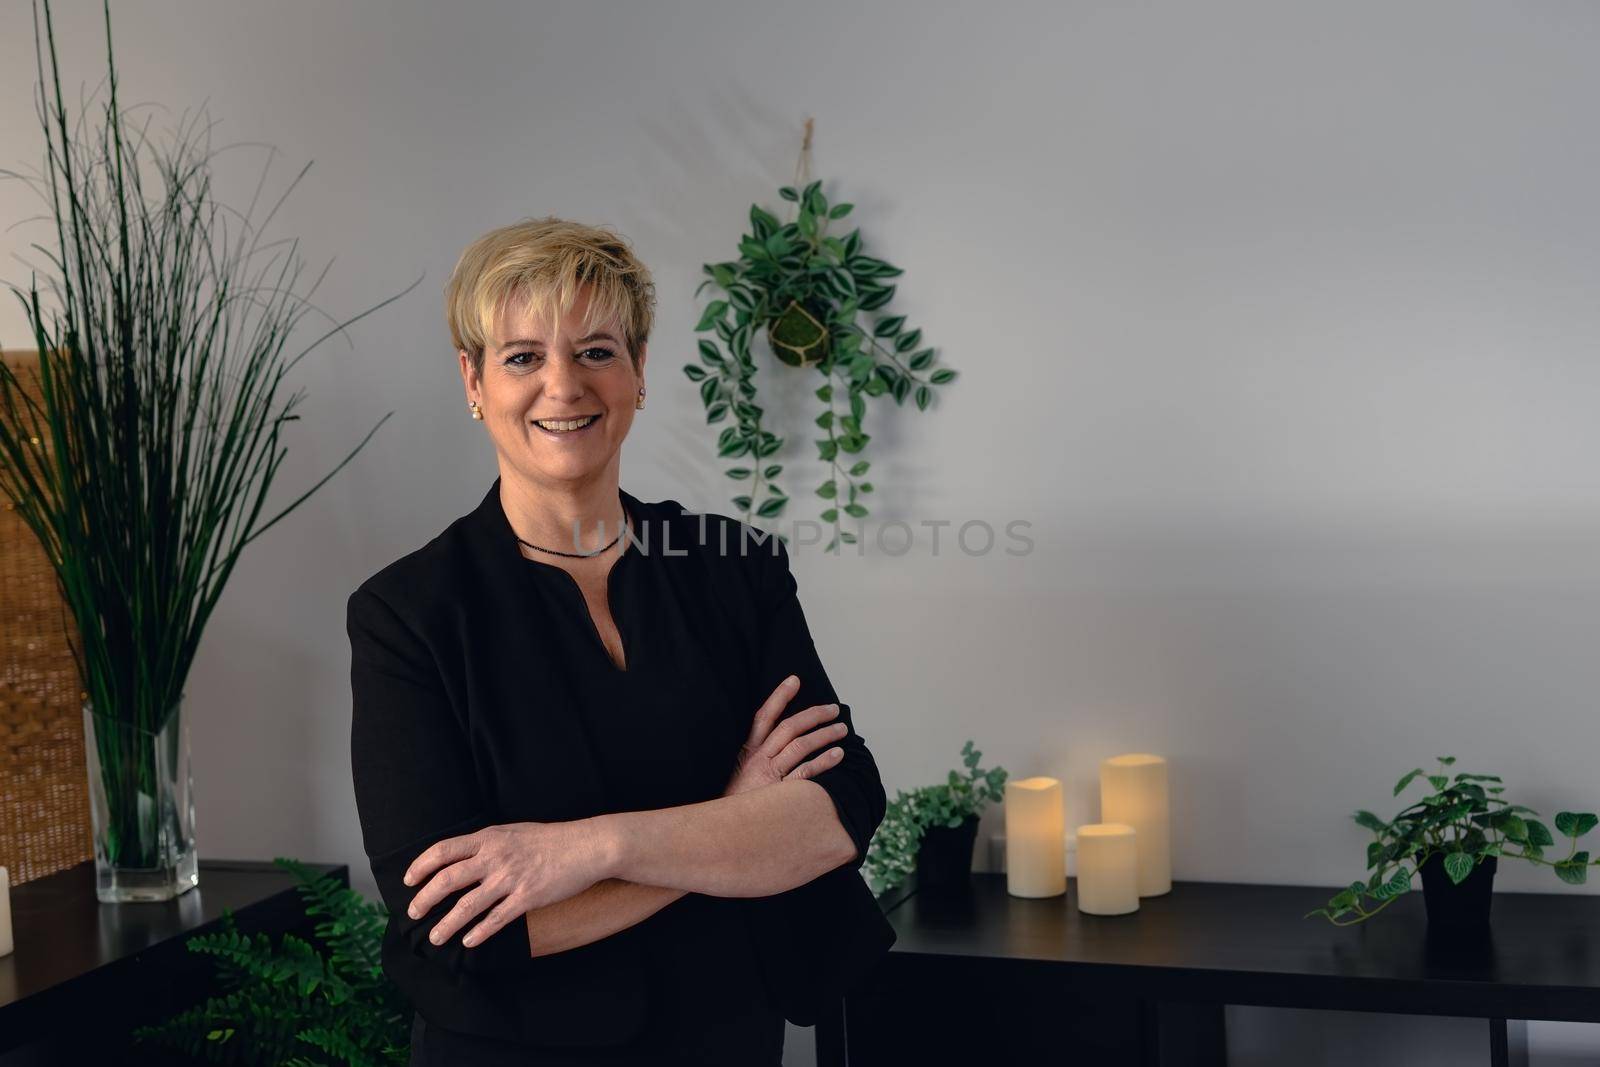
(84, 972)
(988, 971)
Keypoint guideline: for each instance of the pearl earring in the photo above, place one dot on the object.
(477, 412)
(639, 404)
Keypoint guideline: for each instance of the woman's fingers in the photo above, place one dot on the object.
(501, 914)
(797, 752)
(812, 768)
(466, 908)
(770, 709)
(440, 853)
(442, 885)
(796, 725)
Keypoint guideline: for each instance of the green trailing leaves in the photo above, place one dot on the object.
(1462, 821)
(1370, 821)
(1574, 870)
(1574, 825)
(892, 855)
(1407, 780)
(805, 290)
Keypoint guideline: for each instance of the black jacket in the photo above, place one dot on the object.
(482, 694)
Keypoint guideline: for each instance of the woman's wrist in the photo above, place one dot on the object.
(610, 835)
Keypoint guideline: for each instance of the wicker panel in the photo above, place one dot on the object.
(44, 807)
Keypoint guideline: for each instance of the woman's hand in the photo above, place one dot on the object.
(517, 867)
(772, 754)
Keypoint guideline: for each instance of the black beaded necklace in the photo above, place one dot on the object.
(584, 555)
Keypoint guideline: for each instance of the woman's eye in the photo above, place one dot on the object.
(522, 359)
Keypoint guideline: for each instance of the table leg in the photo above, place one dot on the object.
(1183, 1035)
(832, 1044)
(1508, 1043)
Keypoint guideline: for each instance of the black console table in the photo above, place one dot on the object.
(84, 973)
(987, 974)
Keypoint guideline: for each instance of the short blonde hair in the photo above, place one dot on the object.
(544, 262)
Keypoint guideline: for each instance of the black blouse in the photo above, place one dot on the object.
(482, 694)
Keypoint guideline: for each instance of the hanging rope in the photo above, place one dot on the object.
(802, 169)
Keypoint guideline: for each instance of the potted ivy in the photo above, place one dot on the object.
(1454, 837)
(931, 829)
(816, 298)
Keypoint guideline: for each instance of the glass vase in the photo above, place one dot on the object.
(141, 803)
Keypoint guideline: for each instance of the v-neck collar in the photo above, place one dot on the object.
(495, 541)
(492, 531)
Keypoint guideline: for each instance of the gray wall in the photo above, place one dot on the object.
(1277, 321)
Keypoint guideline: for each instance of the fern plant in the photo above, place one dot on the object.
(805, 289)
(288, 1004)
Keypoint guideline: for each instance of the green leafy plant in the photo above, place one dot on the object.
(289, 1003)
(892, 854)
(1464, 819)
(805, 290)
(144, 468)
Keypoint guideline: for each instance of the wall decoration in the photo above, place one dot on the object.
(804, 290)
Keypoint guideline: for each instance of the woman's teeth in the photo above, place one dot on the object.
(564, 425)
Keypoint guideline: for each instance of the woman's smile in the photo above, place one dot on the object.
(566, 427)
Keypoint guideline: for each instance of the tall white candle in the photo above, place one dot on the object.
(1108, 859)
(1036, 862)
(6, 944)
(1133, 791)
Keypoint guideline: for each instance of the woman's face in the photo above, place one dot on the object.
(532, 377)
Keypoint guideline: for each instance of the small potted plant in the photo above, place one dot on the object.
(1454, 837)
(931, 829)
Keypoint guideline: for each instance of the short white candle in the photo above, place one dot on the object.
(1108, 857)
(6, 944)
(1036, 862)
(1133, 791)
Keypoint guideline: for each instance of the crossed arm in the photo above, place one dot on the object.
(756, 843)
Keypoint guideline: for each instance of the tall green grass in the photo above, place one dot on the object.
(164, 338)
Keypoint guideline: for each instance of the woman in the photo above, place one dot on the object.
(588, 731)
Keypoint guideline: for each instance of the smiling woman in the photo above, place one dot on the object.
(588, 729)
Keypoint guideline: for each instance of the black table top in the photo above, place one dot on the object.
(1229, 943)
(64, 936)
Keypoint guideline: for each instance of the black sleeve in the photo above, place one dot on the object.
(787, 648)
(414, 784)
(817, 941)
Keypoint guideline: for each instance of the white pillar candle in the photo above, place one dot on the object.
(6, 944)
(1133, 791)
(1108, 875)
(1036, 862)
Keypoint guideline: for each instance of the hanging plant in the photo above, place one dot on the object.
(806, 291)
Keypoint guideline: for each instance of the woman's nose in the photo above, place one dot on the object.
(562, 380)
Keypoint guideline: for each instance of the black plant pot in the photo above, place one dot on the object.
(944, 857)
(1456, 908)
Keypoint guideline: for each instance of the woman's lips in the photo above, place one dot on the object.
(570, 433)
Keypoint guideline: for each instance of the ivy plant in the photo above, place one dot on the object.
(1464, 819)
(288, 1004)
(892, 853)
(808, 292)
